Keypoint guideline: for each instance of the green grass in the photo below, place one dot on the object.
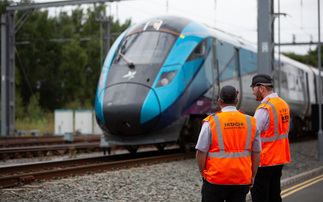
(44, 125)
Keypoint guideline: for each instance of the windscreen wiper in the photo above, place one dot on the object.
(127, 60)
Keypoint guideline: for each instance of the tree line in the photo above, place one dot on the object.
(58, 59)
(311, 58)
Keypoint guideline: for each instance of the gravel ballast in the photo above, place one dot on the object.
(172, 181)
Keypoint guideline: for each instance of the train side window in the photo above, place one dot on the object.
(291, 81)
(298, 84)
(284, 80)
(300, 80)
(199, 51)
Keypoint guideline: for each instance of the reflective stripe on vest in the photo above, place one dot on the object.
(221, 153)
(276, 136)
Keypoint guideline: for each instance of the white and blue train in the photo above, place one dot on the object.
(161, 77)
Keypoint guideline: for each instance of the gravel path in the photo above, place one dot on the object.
(173, 181)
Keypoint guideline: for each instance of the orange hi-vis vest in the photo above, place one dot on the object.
(274, 141)
(229, 157)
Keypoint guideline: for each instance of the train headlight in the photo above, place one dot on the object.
(166, 78)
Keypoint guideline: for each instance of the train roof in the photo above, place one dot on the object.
(178, 23)
(237, 41)
(295, 63)
(316, 71)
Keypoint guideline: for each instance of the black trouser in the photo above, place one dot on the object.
(230, 193)
(267, 184)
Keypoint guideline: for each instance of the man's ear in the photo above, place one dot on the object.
(219, 101)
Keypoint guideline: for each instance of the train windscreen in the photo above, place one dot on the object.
(145, 48)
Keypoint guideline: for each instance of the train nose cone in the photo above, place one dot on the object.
(123, 109)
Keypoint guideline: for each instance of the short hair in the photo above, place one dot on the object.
(228, 102)
(228, 93)
(269, 88)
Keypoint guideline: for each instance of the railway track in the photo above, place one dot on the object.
(6, 142)
(29, 146)
(48, 150)
(14, 175)
(43, 146)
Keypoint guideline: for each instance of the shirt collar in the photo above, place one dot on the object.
(272, 95)
(229, 108)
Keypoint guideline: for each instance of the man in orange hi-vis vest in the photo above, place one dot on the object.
(272, 118)
(228, 151)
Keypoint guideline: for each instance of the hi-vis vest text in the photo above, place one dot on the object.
(274, 141)
(229, 157)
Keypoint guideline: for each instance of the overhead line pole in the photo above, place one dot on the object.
(265, 58)
(320, 134)
(279, 66)
(7, 73)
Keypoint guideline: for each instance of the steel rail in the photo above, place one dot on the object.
(75, 168)
(38, 151)
(48, 147)
(44, 140)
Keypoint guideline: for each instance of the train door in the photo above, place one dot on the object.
(215, 75)
(238, 75)
(212, 80)
(228, 64)
(295, 95)
(283, 84)
(306, 93)
(317, 88)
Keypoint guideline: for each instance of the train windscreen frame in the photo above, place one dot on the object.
(137, 49)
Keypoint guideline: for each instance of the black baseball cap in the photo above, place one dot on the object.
(228, 93)
(262, 79)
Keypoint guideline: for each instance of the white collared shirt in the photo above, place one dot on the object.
(262, 114)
